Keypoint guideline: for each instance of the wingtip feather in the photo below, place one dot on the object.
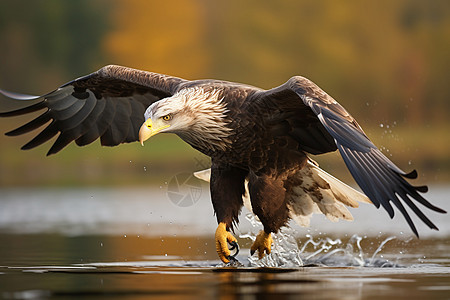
(422, 189)
(411, 175)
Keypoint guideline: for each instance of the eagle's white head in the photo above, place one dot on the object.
(196, 115)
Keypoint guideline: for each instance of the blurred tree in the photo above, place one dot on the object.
(385, 61)
(389, 59)
(46, 41)
(160, 36)
(425, 71)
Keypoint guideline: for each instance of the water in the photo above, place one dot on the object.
(136, 243)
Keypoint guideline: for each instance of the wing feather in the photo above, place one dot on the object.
(45, 135)
(118, 130)
(380, 179)
(108, 104)
(32, 125)
(89, 128)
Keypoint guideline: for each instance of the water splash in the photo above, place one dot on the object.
(375, 261)
(324, 251)
(336, 253)
(285, 252)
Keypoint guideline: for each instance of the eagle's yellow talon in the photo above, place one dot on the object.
(262, 243)
(223, 237)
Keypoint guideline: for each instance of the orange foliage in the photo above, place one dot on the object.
(160, 36)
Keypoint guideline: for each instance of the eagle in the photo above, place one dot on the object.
(259, 142)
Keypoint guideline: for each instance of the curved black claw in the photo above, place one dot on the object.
(234, 245)
(233, 262)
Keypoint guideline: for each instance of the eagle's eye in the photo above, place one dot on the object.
(167, 117)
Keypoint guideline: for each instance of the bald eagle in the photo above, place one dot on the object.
(258, 140)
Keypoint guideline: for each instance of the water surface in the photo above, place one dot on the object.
(136, 243)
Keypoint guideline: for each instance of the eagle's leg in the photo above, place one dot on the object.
(268, 198)
(227, 188)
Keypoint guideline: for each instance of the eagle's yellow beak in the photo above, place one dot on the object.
(148, 130)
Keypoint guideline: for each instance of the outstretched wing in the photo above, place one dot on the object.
(109, 104)
(323, 124)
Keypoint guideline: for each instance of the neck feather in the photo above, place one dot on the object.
(208, 129)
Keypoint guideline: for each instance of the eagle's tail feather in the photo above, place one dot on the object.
(320, 192)
(342, 190)
(203, 175)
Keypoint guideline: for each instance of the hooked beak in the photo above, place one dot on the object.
(148, 130)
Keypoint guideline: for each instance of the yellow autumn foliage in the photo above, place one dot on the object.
(161, 36)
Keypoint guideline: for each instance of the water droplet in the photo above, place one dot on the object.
(145, 169)
(101, 244)
(124, 235)
(381, 125)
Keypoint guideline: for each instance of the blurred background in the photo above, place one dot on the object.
(387, 62)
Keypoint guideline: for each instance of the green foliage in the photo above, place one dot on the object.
(46, 42)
